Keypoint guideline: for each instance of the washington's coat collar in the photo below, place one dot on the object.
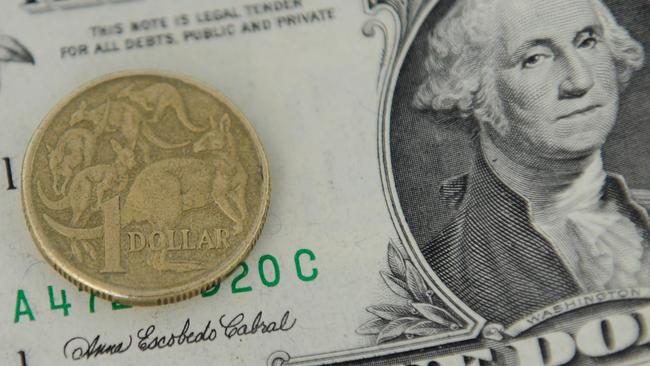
(493, 258)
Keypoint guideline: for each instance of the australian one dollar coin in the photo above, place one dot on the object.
(145, 188)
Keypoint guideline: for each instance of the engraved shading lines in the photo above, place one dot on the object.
(494, 251)
(423, 315)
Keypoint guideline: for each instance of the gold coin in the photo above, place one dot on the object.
(145, 188)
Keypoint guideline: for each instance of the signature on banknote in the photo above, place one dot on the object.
(150, 338)
(78, 348)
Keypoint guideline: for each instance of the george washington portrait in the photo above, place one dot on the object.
(532, 215)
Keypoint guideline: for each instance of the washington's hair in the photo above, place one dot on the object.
(459, 75)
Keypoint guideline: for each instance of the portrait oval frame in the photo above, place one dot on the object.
(409, 30)
(391, 80)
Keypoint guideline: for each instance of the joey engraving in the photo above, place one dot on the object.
(74, 150)
(91, 185)
(89, 188)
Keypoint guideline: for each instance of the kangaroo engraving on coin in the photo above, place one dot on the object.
(145, 188)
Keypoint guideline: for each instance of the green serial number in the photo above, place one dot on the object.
(268, 274)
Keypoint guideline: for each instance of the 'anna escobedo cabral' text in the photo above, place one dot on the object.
(148, 339)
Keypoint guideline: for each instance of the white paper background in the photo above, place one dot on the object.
(310, 92)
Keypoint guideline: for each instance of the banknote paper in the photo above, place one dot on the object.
(455, 182)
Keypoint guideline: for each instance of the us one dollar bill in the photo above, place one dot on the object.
(455, 182)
